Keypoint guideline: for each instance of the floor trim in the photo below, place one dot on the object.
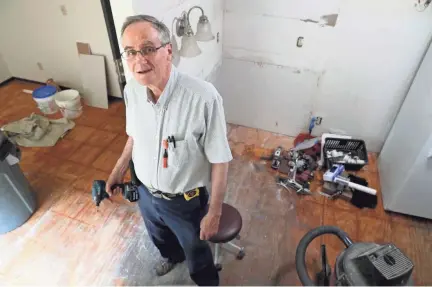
(36, 82)
(5, 82)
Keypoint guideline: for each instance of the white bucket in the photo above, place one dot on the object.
(71, 114)
(69, 102)
(47, 105)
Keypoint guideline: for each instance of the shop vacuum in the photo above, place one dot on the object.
(360, 264)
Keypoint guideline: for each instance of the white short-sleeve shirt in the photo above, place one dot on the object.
(189, 109)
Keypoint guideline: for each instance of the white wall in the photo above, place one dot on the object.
(355, 75)
(37, 31)
(4, 70)
(205, 65)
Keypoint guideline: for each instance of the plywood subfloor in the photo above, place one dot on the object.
(68, 242)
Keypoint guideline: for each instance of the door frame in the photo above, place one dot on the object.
(115, 49)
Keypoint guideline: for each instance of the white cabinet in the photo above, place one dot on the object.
(405, 162)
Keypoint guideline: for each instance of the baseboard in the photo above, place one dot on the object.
(110, 98)
(114, 99)
(37, 82)
(7, 81)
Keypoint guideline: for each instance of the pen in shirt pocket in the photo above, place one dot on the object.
(171, 139)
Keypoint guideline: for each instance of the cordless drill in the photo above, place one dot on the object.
(129, 190)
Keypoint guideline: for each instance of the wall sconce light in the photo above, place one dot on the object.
(189, 47)
(175, 50)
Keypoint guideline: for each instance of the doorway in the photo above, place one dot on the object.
(115, 48)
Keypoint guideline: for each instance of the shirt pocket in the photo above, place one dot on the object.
(178, 155)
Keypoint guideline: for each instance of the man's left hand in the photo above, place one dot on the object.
(209, 225)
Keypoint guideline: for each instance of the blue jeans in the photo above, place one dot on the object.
(174, 227)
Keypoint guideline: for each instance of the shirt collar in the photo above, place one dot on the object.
(167, 92)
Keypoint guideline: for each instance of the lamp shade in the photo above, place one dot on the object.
(189, 47)
(204, 32)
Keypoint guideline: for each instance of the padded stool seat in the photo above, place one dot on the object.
(230, 225)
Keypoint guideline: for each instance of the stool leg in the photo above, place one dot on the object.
(241, 251)
(235, 246)
(217, 250)
(216, 257)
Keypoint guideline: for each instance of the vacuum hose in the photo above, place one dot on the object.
(304, 243)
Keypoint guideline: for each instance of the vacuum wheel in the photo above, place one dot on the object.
(218, 267)
(241, 254)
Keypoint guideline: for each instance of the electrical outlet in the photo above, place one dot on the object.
(63, 10)
(318, 120)
(217, 37)
(40, 66)
(300, 42)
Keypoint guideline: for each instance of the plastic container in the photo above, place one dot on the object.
(17, 199)
(357, 147)
(71, 114)
(44, 98)
(69, 102)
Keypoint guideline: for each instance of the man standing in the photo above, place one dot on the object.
(178, 143)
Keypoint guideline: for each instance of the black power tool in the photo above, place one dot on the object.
(360, 264)
(129, 190)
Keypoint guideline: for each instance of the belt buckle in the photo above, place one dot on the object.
(156, 194)
(165, 197)
(159, 194)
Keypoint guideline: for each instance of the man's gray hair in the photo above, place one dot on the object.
(163, 31)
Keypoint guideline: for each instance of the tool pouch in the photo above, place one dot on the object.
(134, 178)
(191, 194)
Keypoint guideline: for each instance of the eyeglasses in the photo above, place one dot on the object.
(146, 51)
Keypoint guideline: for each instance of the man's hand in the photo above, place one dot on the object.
(210, 222)
(115, 177)
(209, 225)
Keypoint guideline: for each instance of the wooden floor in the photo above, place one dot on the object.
(67, 242)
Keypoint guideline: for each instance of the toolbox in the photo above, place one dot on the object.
(354, 146)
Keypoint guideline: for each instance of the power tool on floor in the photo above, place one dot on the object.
(129, 190)
(360, 264)
(300, 168)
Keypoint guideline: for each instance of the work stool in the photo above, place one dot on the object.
(230, 225)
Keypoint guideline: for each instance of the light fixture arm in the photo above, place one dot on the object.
(183, 24)
(194, 7)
